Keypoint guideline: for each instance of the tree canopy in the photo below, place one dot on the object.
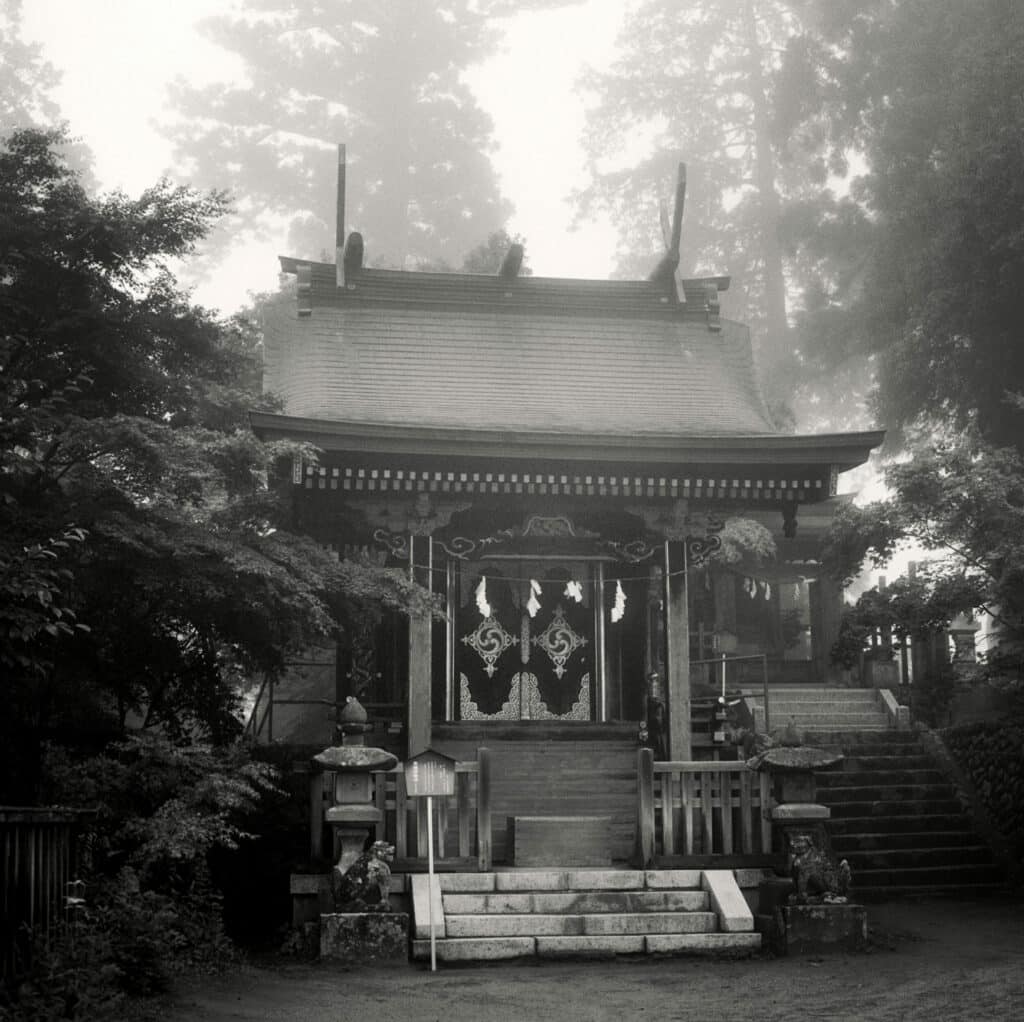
(963, 502)
(737, 91)
(386, 79)
(926, 254)
(145, 557)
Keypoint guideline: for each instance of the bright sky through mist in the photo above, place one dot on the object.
(117, 57)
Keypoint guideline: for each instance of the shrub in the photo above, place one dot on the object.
(992, 755)
(152, 909)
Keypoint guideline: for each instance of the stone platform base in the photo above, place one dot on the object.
(365, 936)
(812, 929)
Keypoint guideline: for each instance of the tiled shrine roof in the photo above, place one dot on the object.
(527, 355)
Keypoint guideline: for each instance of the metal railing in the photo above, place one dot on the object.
(724, 660)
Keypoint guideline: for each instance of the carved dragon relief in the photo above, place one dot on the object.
(420, 517)
(535, 527)
(396, 522)
(699, 530)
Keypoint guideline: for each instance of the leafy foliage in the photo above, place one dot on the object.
(145, 556)
(989, 752)
(964, 500)
(152, 909)
(25, 78)
(744, 539)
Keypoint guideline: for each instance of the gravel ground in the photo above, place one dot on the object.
(933, 960)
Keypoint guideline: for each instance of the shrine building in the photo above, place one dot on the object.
(573, 467)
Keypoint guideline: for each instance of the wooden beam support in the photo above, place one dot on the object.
(677, 636)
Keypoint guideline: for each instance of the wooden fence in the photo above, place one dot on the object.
(701, 809)
(37, 869)
(462, 822)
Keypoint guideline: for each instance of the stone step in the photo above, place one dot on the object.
(969, 873)
(494, 948)
(843, 778)
(795, 704)
(832, 717)
(808, 693)
(538, 924)
(825, 723)
(904, 809)
(927, 891)
(577, 902)
(903, 858)
(857, 763)
(917, 823)
(836, 795)
(567, 880)
(851, 741)
(845, 844)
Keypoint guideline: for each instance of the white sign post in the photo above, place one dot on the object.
(426, 775)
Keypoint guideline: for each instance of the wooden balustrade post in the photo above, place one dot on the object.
(483, 810)
(645, 805)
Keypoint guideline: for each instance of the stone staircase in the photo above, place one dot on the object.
(819, 708)
(896, 818)
(552, 913)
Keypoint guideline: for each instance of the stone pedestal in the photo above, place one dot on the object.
(365, 936)
(813, 929)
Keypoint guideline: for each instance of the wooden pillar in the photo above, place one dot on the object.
(420, 628)
(826, 607)
(677, 635)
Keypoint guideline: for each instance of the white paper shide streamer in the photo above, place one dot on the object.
(574, 591)
(533, 604)
(481, 598)
(619, 608)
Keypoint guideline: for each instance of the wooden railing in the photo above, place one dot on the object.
(462, 822)
(37, 872)
(691, 809)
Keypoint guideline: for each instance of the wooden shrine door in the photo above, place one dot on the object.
(524, 643)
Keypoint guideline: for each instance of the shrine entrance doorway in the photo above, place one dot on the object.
(527, 640)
